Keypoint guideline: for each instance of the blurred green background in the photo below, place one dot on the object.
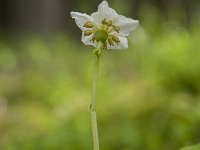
(148, 95)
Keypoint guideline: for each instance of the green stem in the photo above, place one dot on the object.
(97, 54)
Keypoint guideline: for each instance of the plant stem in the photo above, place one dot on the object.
(97, 54)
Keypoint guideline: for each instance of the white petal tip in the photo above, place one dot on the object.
(103, 4)
(74, 14)
(136, 23)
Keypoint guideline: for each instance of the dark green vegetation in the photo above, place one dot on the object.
(148, 96)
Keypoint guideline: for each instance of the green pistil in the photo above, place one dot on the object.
(101, 35)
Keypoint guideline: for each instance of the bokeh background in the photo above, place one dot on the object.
(148, 95)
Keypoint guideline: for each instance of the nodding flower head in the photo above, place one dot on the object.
(105, 26)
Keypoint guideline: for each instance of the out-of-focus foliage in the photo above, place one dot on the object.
(194, 147)
(148, 95)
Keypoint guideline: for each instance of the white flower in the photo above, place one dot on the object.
(105, 26)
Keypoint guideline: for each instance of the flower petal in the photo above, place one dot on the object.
(127, 25)
(80, 19)
(86, 40)
(122, 45)
(104, 12)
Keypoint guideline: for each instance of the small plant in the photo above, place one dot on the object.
(104, 29)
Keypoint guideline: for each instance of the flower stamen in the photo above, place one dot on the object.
(93, 39)
(105, 45)
(116, 28)
(110, 41)
(88, 24)
(104, 22)
(104, 32)
(88, 32)
(115, 39)
(109, 23)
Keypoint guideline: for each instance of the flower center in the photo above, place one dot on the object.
(101, 35)
(105, 32)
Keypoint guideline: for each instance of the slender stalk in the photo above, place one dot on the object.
(97, 55)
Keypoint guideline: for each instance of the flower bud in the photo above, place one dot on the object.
(87, 32)
(88, 24)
